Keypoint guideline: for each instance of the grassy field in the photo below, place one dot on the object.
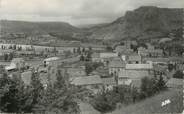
(152, 105)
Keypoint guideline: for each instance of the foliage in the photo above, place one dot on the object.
(15, 97)
(60, 98)
(179, 74)
(105, 101)
(150, 86)
(109, 48)
(91, 66)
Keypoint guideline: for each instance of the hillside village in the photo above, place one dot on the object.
(44, 74)
(96, 69)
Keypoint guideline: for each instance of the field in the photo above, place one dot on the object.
(153, 104)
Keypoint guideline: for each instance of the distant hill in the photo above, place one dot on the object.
(144, 22)
(36, 27)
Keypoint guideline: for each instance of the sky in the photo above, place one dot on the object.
(76, 12)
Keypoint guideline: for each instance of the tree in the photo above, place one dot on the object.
(88, 57)
(14, 96)
(179, 74)
(88, 68)
(150, 86)
(14, 47)
(105, 101)
(82, 58)
(78, 50)
(109, 48)
(6, 57)
(10, 57)
(83, 50)
(60, 98)
(74, 50)
(161, 83)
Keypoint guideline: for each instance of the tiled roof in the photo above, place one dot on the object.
(139, 66)
(117, 64)
(157, 59)
(108, 81)
(88, 80)
(133, 74)
(136, 83)
(134, 58)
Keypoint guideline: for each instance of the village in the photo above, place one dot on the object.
(91, 57)
(93, 68)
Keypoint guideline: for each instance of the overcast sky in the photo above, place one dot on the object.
(75, 12)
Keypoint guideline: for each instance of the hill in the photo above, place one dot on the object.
(144, 22)
(36, 27)
(153, 104)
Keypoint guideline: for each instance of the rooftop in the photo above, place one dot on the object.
(88, 80)
(133, 74)
(117, 64)
(139, 66)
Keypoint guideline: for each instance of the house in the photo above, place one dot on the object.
(6, 51)
(164, 40)
(24, 52)
(156, 61)
(48, 60)
(75, 71)
(151, 47)
(26, 77)
(134, 59)
(123, 49)
(108, 55)
(103, 57)
(87, 80)
(136, 83)
(11, 67)
(127, 76)
(139, 66)
(93, 83)
(16, 63)
(95, 57)
(175, 83)
(115, 66)
(108, 82)
(150, 52)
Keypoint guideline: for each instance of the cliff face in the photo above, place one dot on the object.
(144, 22)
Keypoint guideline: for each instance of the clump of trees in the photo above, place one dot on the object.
(91, 66)
(179, 74)
(107, 101)
(59, 97)
(151, 86)
(17, 97)
(8, 57)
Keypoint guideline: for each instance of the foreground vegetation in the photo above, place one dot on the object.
(19, 98)
(107, 101)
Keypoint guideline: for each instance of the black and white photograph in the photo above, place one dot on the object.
(91, 56)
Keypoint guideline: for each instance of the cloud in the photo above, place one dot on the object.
(76, 11)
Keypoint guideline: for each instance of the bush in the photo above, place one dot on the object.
(179, 74)
(150, 86)
(105, 101)
(91, 66)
